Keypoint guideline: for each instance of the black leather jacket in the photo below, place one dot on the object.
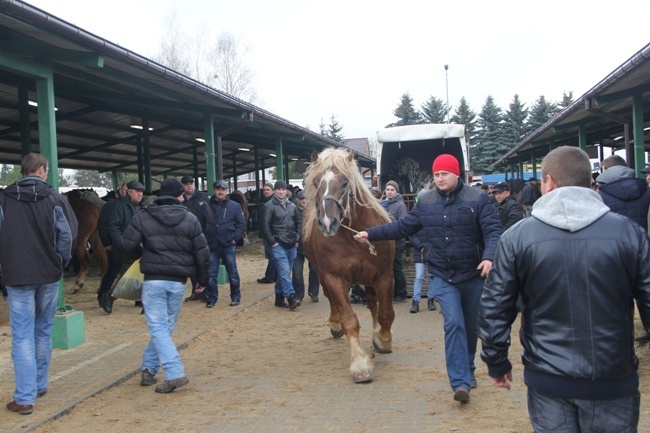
(281, 224)
(577, 287)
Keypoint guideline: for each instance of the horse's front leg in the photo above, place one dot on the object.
(361, 364)
(334, 321)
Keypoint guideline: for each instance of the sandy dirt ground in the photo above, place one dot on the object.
(268, 369)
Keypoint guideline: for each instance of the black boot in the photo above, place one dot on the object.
(279, 301)
(293, 302)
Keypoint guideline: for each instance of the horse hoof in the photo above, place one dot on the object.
(337, 334)
(387, 348)
(365, 377)
(77, 288)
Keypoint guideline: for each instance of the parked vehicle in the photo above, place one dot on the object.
(405, 154)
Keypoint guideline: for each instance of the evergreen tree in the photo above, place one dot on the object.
(335, 130)
(567, 99)
(10, 174)
(332, 131)
(91, 178)
(540, 113)
(489, 146)
(515, 122)
(465, 116)
(406, 113)
(322, 127)
(434, 111)
(64, 180)
(293, 172)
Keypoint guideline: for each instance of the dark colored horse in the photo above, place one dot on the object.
(240, 198)
(86, 205)
(340, 204)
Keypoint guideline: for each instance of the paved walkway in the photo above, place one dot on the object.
(114, 344)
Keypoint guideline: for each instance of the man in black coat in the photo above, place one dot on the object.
(173, 245)
(508, 210)
(282, 229)
(575, 268)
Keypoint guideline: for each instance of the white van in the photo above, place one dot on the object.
(406, 154)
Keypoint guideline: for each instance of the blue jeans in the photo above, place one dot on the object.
(162, 302)
(420, 269)
(283, 260)
(298, 279)
(31, 316)
(398, 273)
(227, 256)
(562, 415)
(459, 304)
(270, 273)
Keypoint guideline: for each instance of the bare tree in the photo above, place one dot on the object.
(174, 47)
(221, 64)
(229, 67)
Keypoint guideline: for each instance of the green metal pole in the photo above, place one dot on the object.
(210, 154)
(638, 134)
(279, 160)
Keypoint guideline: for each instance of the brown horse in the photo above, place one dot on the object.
(240, 198)
(340, 205)
(86, 205)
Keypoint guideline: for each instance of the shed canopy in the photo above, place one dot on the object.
(105, 95)
(616, 108)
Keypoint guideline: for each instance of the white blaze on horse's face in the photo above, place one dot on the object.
(332, 188)
(327, 180)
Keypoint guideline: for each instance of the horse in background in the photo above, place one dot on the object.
(240, 198)
(86, 206)
(341, 205)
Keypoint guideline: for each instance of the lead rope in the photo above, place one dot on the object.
(371, 248)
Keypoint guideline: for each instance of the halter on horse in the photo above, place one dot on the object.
(340, 198)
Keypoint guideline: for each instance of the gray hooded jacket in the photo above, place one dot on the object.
(578, 269)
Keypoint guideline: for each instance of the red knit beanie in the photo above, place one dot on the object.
(446, 162)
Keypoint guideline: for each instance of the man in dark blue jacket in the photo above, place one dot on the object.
(222, 236)
(576, 269)
(37, 233)
(625, 194)
(462, 230)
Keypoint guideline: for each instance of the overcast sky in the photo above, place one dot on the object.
(355, 58)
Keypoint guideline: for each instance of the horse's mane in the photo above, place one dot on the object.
(338, 157)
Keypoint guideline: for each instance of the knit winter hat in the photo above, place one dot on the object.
(393, 184)
(171, 187)
(446, 162)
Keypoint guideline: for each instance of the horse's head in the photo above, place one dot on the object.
(331, 197)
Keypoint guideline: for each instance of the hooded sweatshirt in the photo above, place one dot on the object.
(38, 232)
